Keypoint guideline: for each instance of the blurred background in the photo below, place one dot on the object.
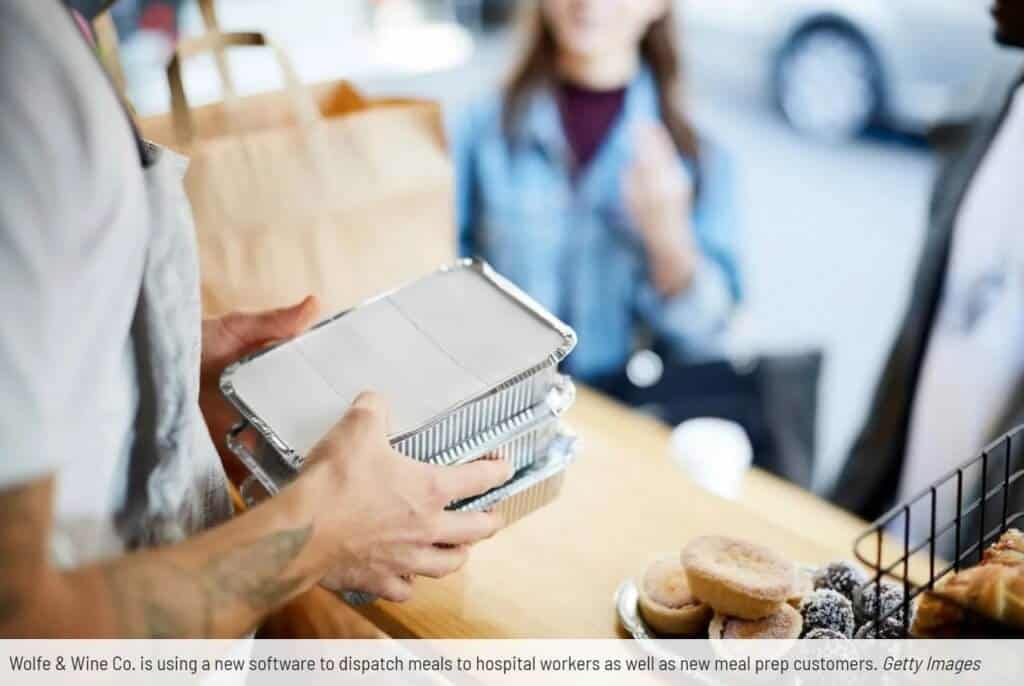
(822, 104)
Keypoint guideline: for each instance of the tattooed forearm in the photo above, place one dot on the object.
(161, 622)
(155, 599)
(162, 600)
(210, 586)
(253, 573)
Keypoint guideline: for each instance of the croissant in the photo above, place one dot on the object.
(936, 617)
(994, 590)
(1007, 551)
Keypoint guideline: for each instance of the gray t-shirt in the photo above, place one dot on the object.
(76, 225)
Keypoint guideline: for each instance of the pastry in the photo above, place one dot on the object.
(936, 617)
(667, 604)
(828, 609)
(803, 586)
(824, 634)
(888, 628)
(993, 590)
(842, 577)
(737, 578)
(867, 605)
(784, 623)
(1007, 551)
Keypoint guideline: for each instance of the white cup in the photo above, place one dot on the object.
(715, 453)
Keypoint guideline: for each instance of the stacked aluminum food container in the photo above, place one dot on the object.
(467, 362)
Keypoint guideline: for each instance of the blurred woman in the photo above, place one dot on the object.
(584, 182)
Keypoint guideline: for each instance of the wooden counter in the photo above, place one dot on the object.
(553, 574)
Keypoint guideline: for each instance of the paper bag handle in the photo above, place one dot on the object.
(109, 48)
(209, 14)
(306, 110)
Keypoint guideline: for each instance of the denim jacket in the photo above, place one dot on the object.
(570, 243)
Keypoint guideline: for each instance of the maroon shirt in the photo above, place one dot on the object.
(587, 117)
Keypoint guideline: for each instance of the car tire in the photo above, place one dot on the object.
(828, 83)
(485, 14)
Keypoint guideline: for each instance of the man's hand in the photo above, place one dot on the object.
(659, 197)
(385, 514)
(225, 341)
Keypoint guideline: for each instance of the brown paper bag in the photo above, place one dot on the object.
(310, 189)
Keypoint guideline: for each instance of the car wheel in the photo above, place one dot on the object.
(828, 83)
(486, 14)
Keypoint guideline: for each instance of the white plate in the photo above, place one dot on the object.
(627, 605)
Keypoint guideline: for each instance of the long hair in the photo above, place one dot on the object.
(658, 50)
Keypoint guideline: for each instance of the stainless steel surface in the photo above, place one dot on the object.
(444, 314)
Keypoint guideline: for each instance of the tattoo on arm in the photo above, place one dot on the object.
(161, 600)
(254, 573)
(153, 594)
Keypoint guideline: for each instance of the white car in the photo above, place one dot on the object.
(835, 67)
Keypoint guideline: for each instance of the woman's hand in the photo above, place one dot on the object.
(229, 338)
(659, 196)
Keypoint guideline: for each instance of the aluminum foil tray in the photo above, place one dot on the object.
(454, 354)
(518, 440)
(533, 487)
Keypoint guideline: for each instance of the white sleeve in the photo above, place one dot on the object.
(66, 295)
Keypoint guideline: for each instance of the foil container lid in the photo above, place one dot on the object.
(430, 348)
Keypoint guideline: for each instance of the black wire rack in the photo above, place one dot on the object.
(941, 530)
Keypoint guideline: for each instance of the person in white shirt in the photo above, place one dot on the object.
(115, 520)
(954, 380)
